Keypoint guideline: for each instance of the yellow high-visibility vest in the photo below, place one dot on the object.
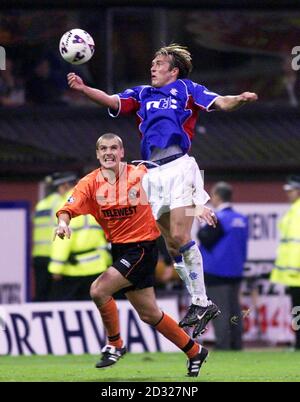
(84, 254)
(287, 264)
(44, 222)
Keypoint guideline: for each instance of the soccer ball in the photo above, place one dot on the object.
(76, 46)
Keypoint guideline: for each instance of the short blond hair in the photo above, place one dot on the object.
(109, 136)
(180, 57)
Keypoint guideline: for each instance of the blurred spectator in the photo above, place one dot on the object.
(44, 221)
(42, 87)
(287, 264)
(224, 251)
(76, 263)
(11, 87)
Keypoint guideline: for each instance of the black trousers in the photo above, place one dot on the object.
(295, 296)
(228, 325)
(42, 278)
(72, 288)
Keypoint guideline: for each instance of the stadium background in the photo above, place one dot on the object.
(235, 47)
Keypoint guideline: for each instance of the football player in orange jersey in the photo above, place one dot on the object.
(113, 194)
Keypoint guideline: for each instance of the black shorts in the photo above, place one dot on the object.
(136, 262)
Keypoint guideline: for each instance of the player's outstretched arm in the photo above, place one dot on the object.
(63, 229)
(229, 103)
(96, 95)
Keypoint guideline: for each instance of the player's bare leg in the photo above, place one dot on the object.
(178, 236)
(176, 228)
(164, 226)
(101, 292)
(144, 302)
(180, 232)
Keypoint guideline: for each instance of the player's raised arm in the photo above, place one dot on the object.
(229, 102)
(96, 95)
(63, 229)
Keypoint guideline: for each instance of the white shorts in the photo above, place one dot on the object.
(176, 184)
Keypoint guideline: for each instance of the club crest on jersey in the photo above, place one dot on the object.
(71, 200)
(193, 276)
(101, 198)
(132, 193)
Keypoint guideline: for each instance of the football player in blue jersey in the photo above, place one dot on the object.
(167, 111)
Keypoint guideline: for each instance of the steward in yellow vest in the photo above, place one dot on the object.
(77, 262)
(287, 264)
(44, 221)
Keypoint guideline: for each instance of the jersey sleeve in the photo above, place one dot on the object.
(129, 102)
(79, 203)
(203, 97)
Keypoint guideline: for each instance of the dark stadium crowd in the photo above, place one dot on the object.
(44, 84)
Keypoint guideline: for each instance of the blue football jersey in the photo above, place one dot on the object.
(167, 115)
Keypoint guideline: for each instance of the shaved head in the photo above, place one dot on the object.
(109, 136)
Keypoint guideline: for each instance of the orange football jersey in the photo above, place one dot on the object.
(121, 208)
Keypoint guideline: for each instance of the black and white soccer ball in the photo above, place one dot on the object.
(76, 46)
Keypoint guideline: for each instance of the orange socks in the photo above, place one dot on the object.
(166, 326)
(110, 317)
(170, 329)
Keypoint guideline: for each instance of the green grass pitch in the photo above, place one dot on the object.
(155, 367)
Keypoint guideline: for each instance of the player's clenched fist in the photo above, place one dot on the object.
(62, 230)
(208, 216)
(248, 96)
